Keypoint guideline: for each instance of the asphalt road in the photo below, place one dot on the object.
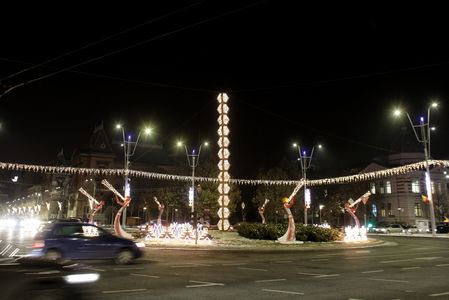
(402, 268)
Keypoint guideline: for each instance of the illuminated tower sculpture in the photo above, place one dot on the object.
(223, 165)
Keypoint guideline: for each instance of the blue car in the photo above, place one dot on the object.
(79, 241)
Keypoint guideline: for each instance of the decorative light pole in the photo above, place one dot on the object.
(223, 164)
(193, 160)
(94, 186)
(305, 160)
(422, 134)
(129, 148)
(321, 207)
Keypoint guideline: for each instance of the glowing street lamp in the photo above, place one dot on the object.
(193, 160)
(129, 148)
(422, 134)
(321, 207)
(305, 160)
(94, 185)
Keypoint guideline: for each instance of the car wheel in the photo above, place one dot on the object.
(53, 255)
(124, 257)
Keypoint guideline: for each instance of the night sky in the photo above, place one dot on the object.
(294, 72)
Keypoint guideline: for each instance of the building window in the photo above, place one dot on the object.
(432, 187)
(372, 186)
(415, 186)
(381, 188)
(382, 210)
(418, 212)
(390, 213)
(388, 187)
(374, 209)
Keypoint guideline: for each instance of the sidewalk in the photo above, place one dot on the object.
(422, 235)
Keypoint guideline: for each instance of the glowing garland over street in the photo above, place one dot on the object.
(159, 176)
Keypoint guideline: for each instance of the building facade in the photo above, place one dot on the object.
(403, 198)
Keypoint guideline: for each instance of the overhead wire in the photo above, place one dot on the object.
(132, 46)
(42, 64)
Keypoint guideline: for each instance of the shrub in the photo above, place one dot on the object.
(270, 231)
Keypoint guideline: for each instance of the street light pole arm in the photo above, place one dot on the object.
(135, 144)
(413, 127)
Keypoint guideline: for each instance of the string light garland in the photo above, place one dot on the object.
(169, 177)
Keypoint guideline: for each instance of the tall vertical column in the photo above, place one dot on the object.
(223, 164)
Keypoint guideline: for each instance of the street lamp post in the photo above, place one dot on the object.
(422, 134)
(305, 161)
(94, 186)
(129, 148)
(193, 160)
(321, 207)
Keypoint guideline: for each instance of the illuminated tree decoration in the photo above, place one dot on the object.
(223, 165)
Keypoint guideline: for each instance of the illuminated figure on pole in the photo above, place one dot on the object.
(94, 205)
(262, 210)
(349, 207)
(355, 233)
(290, 235)
(160, 207)
(123, 202)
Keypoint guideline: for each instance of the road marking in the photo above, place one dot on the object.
(14, 252)
(283, 261)
(411, 268)
(203, 284)
(373, 271)
(319, 275)
(235, 264)
(354, 299)
(253, 269)
(325, 276)
(120, 269)
(410, 259)
(388, 280)
(440, 294)
(98, 270)
(9, 246)
(443, 265)
(144, 275)
(270, 280)
(123, 291)
(320, 259)
(190, 265)
(283, 292)
(310, 274)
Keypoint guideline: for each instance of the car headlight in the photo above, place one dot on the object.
(140, 245)
(81, 278)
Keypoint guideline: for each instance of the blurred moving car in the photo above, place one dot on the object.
(31, 279)
(412, 229)
(390, 228)
(78, 241)
(442, 228)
